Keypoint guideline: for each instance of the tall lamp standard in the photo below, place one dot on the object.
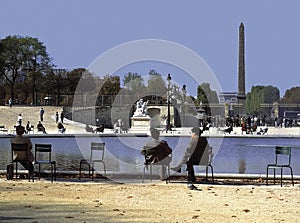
(168, 98)
(183, 104)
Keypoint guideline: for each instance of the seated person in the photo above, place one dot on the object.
(157, 152)
(89, 128)
(41, 128)
(61, 127)
(20, 155)
(118, 126)
(100, 128)
(28, 127)
(193, 153)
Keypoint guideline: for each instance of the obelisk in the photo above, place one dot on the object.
(241, 72)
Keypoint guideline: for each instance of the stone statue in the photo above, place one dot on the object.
(141, 108)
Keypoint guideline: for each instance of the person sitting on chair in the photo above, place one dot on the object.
(28, 127)
(100, 128)
(20, 155)
(41, 128)
(157, 152)
(193, 154)
(61, 127)
(89, 128)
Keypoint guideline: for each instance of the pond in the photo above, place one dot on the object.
(248, 155)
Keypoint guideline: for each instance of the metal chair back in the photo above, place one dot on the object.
(18, 148)
(283, 155)
(43, 155)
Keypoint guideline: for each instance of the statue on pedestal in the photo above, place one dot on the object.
(141, 108)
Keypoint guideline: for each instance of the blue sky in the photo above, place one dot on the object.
(76, 32)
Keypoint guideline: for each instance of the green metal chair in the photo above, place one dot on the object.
(165, 166)
(20, 148)
(282, 160)
(96, 149)
(206, 161)
(43, 156)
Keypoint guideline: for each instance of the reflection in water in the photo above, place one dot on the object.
(242, 166)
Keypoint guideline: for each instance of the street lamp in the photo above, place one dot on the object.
(183, 104)
(168, 98)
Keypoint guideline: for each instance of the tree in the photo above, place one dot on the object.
(156, 85)
(21, 55)
(133, 81)
(55, 83)
(73, 78)
(260, 95)
(291, 96)
(86, 84)
(111, 85)
(206, 96)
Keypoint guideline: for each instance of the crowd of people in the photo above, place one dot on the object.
(40, 127)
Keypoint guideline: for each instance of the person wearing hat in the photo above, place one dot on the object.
(20, 155)
(193, 153)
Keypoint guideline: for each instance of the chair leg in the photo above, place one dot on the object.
(292, 175)
(52, 172)
(55, 171)
(104, 168)
(32, 172)
(16, 170)
(28, 172)
(39, 171)
(281, 176)
(144, 171)
(150, 172)
(89, 170)
(212, 173)
(80, 170)
(92, 171)
(168, 174)
(267, 176)
(274, 176)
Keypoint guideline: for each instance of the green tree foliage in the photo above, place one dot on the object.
(55, 83)
(133, 81)
(21, 55)
(206, 95)
(156, 84)
(80, 80)
(291, 96)
(111, 85)
(261, 95)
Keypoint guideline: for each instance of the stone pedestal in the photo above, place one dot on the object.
(140, 123)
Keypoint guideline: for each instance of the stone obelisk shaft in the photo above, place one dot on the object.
(241, 71)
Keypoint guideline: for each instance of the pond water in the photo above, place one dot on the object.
(122, 154)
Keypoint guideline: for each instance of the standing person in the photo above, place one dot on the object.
(157, 152)
(19, 139)
(56, 117)
(20, 118)
(10, 102)
(62, 116)
(193, 154)
(42, 114)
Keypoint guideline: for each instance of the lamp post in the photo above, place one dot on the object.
(168, 98)
(183, 104)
